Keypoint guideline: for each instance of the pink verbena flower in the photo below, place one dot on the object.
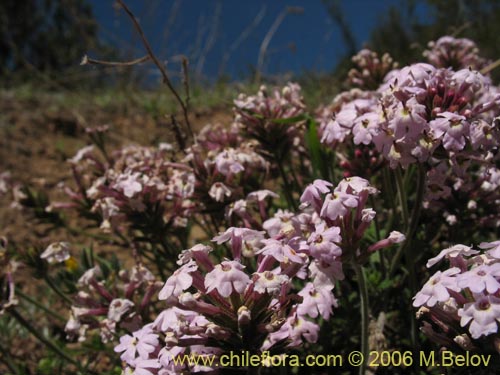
(227, 277)
(436, 289)
(451, 253)
(140, 345)
(481, 278)
(338, 204)
(180, 280)
(483, 315)
(316, 300)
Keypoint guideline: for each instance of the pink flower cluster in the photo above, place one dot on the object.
(370, 69)
(225, 168)
(457, 53)
(105, 305)
(272, 118)
(461, 306)
(249, 301)
(136, 180)
(421, 113)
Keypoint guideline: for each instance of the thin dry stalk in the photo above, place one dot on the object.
(90, 61)
(490, 67)
(241, 38)
(267, 39)
(210, 39)
(160, 66)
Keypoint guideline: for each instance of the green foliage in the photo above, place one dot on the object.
(404, 36)
(46, 35)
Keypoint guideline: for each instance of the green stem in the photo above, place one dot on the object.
(5, 357)
(288, 187)
(39, 305)
(415, 216)
(403, 199)
(47, 342)
(363, 294)
(389, 196)
(56, 289)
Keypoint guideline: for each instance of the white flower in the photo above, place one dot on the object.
(57, 252)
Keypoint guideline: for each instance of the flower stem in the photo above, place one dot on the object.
(47, 342)
(39, 305)
(288, 187)
(6, 358)
(363, 294)
(403, 199)
(415, 216)
(56, 289)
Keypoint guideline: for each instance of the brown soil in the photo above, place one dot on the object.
(36, 139)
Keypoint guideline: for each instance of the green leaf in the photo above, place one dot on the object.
(289, 120)
(315, 151)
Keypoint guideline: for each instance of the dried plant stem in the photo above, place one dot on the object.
(160, 66)
(490, 67)
(90, 61)
(267, 39)
(241, 38)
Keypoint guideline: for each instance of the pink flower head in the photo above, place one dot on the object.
(268, 282)
(146, 366)
(312, 193)
(483, 315)
(316, 300)
(261, 195)
(323, 243)
(452, 252)
(355, 185)
(481, 278)
(219, 192)
(436, 289)
(228, 162)
(227, 278)
(452, 128)
(178, 282)
(337, 205)
(141, 344)
(282, 252)
(296, 330)
(118, 308)
(129, 184)
(492, 247)
(240, 237)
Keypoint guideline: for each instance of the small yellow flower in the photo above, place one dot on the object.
(71, 264)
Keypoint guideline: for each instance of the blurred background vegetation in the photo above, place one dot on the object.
(43, 41)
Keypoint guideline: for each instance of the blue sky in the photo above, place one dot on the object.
(204, 30)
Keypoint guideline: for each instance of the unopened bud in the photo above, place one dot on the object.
(244, 316)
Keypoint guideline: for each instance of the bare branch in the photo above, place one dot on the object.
(161, 68)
